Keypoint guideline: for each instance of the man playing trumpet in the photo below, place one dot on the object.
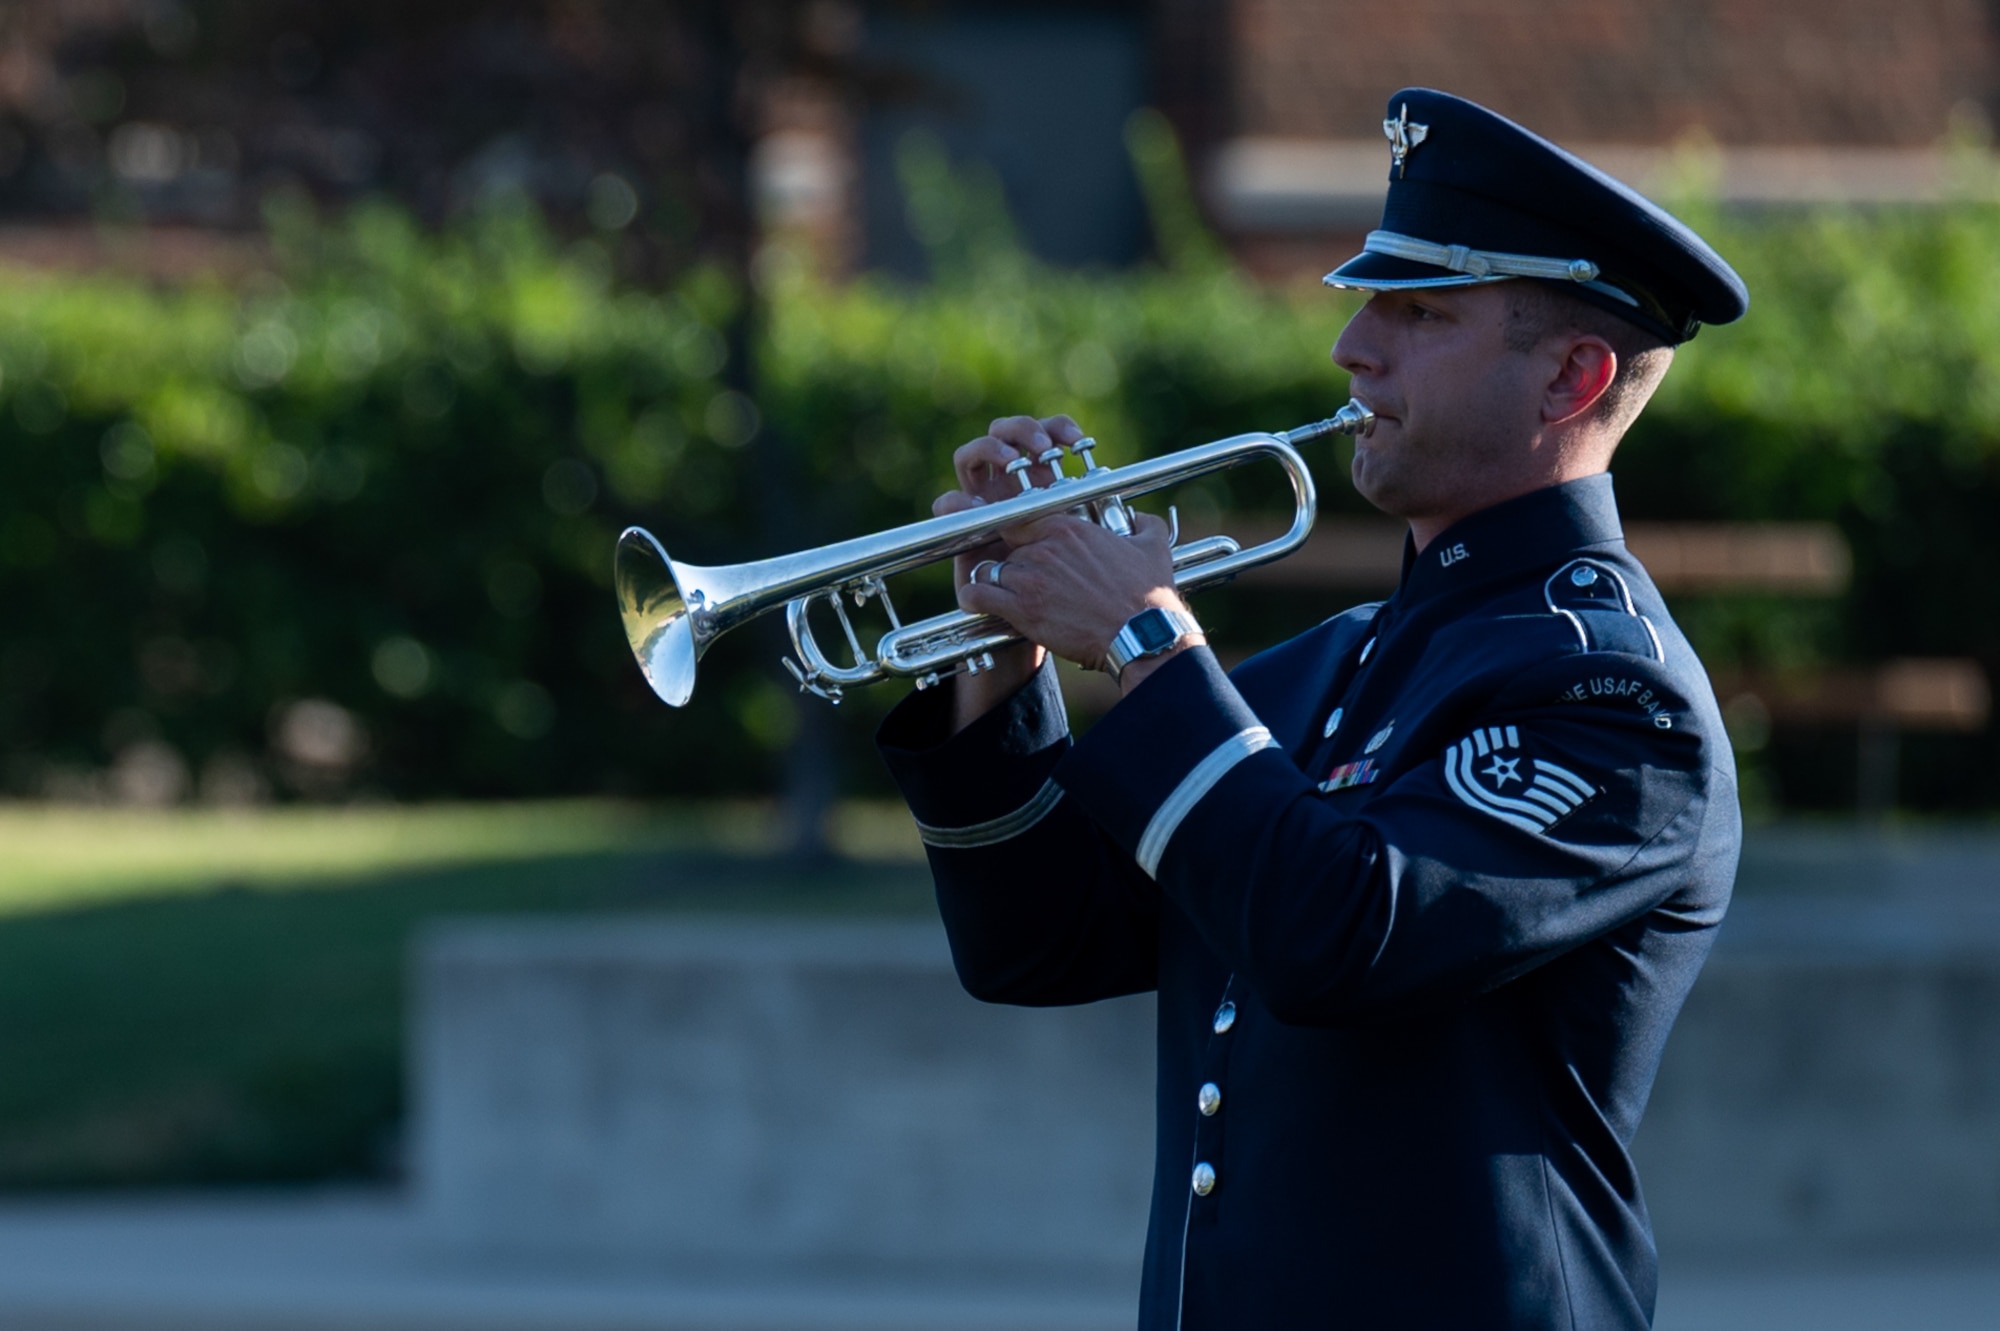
(1421, 890)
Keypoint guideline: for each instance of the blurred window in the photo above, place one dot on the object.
(1040, 96)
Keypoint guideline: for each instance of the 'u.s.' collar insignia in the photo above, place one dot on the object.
(1489, 772)
(1404, 136)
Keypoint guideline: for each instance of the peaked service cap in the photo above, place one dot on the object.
(1475, 198)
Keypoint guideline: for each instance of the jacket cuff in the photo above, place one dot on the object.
(1144, 766)
(990, 781)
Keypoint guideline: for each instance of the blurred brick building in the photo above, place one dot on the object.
(1796, 101)
(668, 126)
(1859, 72)
(1806, 100)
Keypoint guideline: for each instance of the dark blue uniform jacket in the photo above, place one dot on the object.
(1421, 891)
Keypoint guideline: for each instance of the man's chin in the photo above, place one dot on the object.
(1368, 478)
(1377, 484)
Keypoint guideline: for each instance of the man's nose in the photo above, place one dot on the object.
(1356, 350)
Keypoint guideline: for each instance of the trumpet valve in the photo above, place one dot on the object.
(972, 665)
(1019, 468)
(1086, 448)
(1112, 514)
(1052, 457)
(874, 587)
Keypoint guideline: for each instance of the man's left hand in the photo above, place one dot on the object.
(1070, 585)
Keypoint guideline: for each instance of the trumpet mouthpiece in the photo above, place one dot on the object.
(1351, 419)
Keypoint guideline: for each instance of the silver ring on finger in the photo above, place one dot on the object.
(994, 576)
(973, 578)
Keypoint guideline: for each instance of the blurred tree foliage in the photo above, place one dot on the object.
(346, 527)
(379, 485)
(1864, 389)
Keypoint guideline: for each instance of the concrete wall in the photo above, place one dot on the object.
(1834, 1083)
(794, 1093)
(805, 1093)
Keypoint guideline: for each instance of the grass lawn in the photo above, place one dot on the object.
(208, 997)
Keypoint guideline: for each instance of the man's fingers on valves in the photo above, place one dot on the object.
(1032, 438)
(1023, 432)
(1061, 430)
(955, 501)
(981, 467)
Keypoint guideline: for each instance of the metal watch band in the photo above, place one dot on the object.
(1128, 646)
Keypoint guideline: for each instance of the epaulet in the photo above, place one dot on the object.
(1593, 597)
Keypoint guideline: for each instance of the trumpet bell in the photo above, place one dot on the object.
(657, 615)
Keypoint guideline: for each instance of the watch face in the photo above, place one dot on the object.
(1154, 630)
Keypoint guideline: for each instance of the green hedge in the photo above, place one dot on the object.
(388, 478)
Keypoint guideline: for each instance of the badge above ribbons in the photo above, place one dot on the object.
(1489, 771)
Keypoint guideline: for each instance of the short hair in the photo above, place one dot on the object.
(1537, 311)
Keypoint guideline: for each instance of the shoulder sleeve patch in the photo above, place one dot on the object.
(1593, 597)
(1491, 770)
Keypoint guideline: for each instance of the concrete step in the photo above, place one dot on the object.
(337, 1261)
(349, 1261)
(1869, 1294)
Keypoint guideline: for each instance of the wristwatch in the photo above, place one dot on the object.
(1150, 632)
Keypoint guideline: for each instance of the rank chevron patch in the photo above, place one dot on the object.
(1488, 771)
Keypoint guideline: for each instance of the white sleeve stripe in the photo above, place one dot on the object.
(995, 830)
(1167, 818)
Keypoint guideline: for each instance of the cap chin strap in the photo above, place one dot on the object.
(1491, 265)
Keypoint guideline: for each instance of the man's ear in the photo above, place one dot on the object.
(1586, 370)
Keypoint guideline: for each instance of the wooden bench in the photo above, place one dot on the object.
(1937, 695)
(1793, 559)
(1364, 556)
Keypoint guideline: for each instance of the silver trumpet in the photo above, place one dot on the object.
(673, 611)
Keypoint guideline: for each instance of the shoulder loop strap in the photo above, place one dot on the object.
(1593, 597)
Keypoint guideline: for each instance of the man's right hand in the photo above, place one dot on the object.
(981, 469)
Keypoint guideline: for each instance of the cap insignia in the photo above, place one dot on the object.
(1404, 136)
